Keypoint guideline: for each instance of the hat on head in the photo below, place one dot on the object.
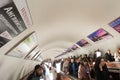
(37, 67)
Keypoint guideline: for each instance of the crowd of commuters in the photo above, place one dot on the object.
(83, 67)
(40, 73)
(89, 67)
(78, 67)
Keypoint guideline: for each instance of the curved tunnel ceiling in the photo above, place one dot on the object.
(70, 20)
(55, 48)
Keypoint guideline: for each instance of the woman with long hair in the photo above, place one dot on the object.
(84, 71)
(101, 70)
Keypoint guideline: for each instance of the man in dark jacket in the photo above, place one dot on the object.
(37, 74)
(108, 56)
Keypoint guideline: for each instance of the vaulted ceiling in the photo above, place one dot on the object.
(61, 23)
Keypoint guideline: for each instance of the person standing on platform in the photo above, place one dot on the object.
(84, 71)
(108, 56)
(101, 70)
(37, 74)
(117, 55)
(65, 66)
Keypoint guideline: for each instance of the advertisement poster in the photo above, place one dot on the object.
(24, 11)
(82, 43)
(115, 24)
(3, 41)
(34, 53)
(74, 47)
(24, 47)
(100, 34)
(61, 54)
(68, 50)
(11, 22)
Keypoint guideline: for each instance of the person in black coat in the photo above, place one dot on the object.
(70, 66)
(101, 70)
(108, 56)
(37, 73)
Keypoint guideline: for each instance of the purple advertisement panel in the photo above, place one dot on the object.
(74, 47)
(100, 34)
(82, 43)
(115, 24)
